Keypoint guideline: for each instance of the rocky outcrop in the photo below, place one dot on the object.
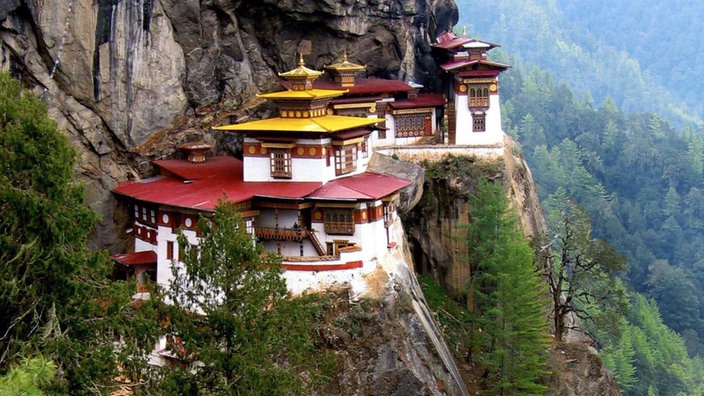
(579, 370)
(137, 77)
(409, 196)
(435, 227)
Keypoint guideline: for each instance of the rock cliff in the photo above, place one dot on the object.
(129, 79)
(434, 229)
(135, 77)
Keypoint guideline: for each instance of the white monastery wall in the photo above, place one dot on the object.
(465, 135)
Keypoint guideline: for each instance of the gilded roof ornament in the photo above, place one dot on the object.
(345, 65)
(301, 72)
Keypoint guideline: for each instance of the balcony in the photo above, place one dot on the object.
(478, 102)
(281, 234)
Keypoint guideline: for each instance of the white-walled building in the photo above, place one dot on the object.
(302, 185)
(473, 113)
(302, 188)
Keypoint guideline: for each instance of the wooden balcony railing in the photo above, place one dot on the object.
(281, 234)
(290, 234)
(479, 101)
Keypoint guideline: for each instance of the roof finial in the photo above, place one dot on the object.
(464, 31)
(344, 56)
(300, 60)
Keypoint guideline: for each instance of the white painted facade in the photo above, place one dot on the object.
(392, 140)
(257, 168)
(493, 135)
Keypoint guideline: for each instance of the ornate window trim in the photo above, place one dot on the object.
(478, 96)
(478, 122)
(280, 163)
(339, 221)
(345, 159)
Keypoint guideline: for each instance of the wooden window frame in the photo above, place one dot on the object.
(345, 159)
(365, 148)
(410, 125)
(280, 163)
(479, 122)
(169, 250)
(339, 221)
(478, 96)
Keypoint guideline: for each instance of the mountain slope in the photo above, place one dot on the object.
(600, 49)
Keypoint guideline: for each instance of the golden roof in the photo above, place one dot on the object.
(301, 72)
(310, 94)
(345, 65)
(323, 124)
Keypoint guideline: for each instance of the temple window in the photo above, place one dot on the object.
(345, 159)
(410, 125)
(339, 221)
(365, 148)
(169, 250)
(280, 163)
(479, 95)
(479, 122)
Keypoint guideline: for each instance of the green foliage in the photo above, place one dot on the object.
(28, 378)
(509, 297)
(455, 319)
(638, 180)
(640, 183)
(55, 299)
(651, 358)
(232, 320)
(591, 45)
(582, 277)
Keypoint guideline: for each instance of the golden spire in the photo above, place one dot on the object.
(464, 31)
(345, 71)
(301, 77)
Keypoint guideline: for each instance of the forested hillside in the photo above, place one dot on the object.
(640, 53)
(641, 184)
(612, 125)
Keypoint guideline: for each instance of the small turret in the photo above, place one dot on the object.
(344, 72)
(196, 151)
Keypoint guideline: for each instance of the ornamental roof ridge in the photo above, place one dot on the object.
(301, 72)
(345, 65)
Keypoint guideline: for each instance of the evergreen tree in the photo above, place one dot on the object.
(510, 296)
(581, 276)
(230, 317)
(55, 298)
(28, 378)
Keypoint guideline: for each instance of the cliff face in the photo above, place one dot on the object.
(136, 77)
(434, 230)
(434, 225)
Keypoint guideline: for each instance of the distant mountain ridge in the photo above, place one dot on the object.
(643, 54)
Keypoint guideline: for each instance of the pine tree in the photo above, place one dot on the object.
(230, 317)
(55, 298)
(510, 297)
(28, 378)
(582, 275)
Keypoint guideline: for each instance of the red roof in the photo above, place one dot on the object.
(214, 166)
(139, 258)
(364, 186)
(423, 100)
(454, 65)
(449, 40)
(201, 186)
(363, 99)
(362, 86)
